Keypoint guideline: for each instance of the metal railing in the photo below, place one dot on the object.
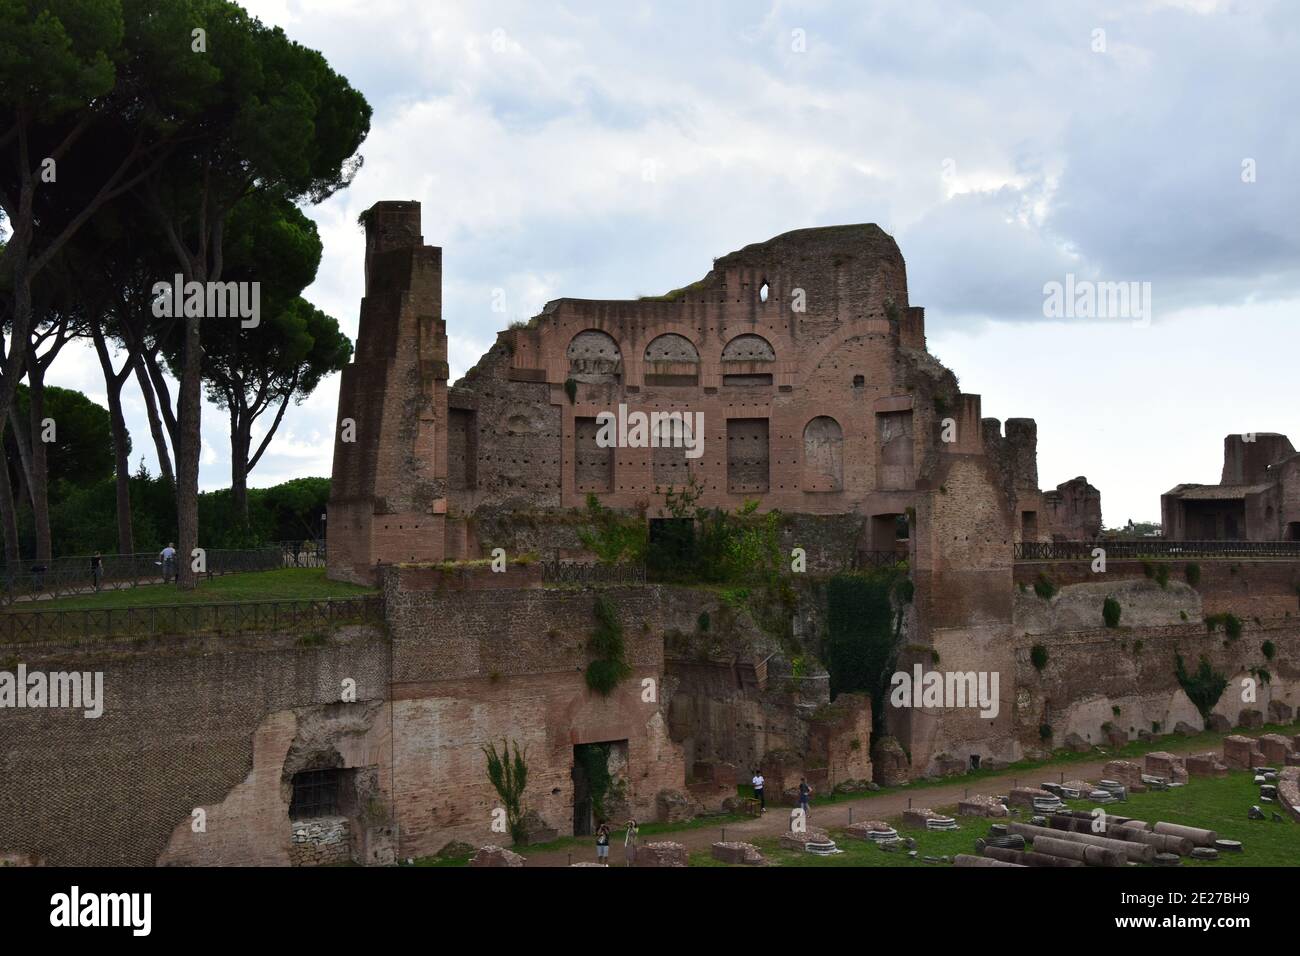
(879, 559)
(163, 620)
(577, 572)
(1154, 548)
(74, 574)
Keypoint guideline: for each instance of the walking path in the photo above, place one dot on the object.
(879, 807)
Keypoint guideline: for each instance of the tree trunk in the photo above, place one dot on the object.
(8, 518)
(121, 465)
(189, 408)
(40, 467)
(155, 420)
(240, 439)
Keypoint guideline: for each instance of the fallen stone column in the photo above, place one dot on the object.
(1083, 852)
(1137, 852)
(1163, 842)
(1028, 859)
(965, 859)
(1195, 834)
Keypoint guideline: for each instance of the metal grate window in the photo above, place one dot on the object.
(315, 794)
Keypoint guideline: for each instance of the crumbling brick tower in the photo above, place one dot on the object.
(388, 497)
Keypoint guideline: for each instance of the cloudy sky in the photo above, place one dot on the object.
(612, 150)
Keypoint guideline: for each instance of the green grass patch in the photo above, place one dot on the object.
(284, 584)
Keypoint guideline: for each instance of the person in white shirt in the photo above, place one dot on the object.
(758, 791)
(168, 556)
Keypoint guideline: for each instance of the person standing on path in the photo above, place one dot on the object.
(602, 843)
(97, 569)
(629, 843)
(168, 556)
(758, 791)
(805, 792)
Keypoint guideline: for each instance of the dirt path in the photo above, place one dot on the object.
(777, 819)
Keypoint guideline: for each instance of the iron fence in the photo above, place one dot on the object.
(1153, 548)
(879, 559)
(164, 620)
(66, 576)
(577, 572)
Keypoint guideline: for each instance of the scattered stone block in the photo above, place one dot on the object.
(889, 763)
(979, 805)
(1167, 765)
(1288, 791)
(496, 856)
(1127, 772)
(875, 831)
(663, 854)
(1076, 744)
(1218, 723)
(738, 853)
(799, 841)
(1025, 796)
(1184, 728)
(1206, 765)
(916, 817)
(673, 806)
(1280, 712)
(1250, 719)
(1237, 752)
(1275, 747)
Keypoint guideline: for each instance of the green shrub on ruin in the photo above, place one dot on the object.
(1038, 656)
(609, 666)
(1044, 587)
(612, 537)
(571, 389)
(1203, 688)
(1193, 574)
(1162, 575)
(1269, 649)
(509, 778)
(1045, 731)
(1110, 612)
(1231, 624)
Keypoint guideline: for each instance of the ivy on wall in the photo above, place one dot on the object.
(863, 623)
(609, 665)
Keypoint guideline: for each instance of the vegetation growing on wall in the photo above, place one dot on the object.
(594, 759)
(509, 777)
(1204, 688)
(1044, 587)
(609, 665)
(612, 537)
(1110, 612)
(863, 623)
(1193, 573)
(1231, 624)
(1038, 656)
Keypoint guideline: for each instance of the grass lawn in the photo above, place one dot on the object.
(284, 584)
(1218, 804)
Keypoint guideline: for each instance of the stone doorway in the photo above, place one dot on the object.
(599, 784)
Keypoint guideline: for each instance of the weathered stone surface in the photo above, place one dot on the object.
(979, 805)
(1126, 772)
(1076, 744)
(915, 817)
(1250, 719)
(796, 841)
(1162, 764)
(673, 806)
(1275, 748)
(740, 853)
(1288, 791)
(1206, 765)
(661, 854)
(1280, 712)
(1218, 723)
(496, 856)
(1025, 796)
(1237, 752)
(889, 762)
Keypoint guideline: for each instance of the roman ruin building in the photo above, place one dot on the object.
(800, 367)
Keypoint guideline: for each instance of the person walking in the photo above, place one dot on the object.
(805, 792)
(168, 556)
(630, 842)
(758, 791)
(97, 569)
(602, 843)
